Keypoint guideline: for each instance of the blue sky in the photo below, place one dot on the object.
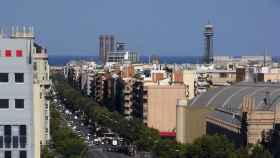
(163, 27)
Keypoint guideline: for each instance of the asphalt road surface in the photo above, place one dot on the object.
(98, 153)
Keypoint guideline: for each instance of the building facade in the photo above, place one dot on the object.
(24, 104)
(122, 57)
(161, 105)
(42, 85)
(17, 128)
(106, 46)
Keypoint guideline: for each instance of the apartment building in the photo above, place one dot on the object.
(160, 105)
(133, 94)
(122, 57)
(42, 85)
(17, 128)
(96, 86)
(24, 104)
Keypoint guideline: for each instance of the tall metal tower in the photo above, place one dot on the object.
(208, 43)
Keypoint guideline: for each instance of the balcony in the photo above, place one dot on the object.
(145, 97)
(127, 104)
(40, 56)
(145, 110)
(46, 83)
(127, 91)
(127, 98)
(127, 112)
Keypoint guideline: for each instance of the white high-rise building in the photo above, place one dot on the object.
(24, 108)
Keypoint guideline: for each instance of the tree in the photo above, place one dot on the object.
(259, 151)
(65, 142)
(211, 147)
(271, 141)
(46, 153)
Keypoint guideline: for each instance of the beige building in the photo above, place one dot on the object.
(41, 104)
(271, 77)
(225, 110)
(161, 105)
(258, 120)
(189, 78)
(190, 122)
(222, 77)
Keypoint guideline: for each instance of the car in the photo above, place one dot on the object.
(114, 142)
(67, 111)
(69, 124)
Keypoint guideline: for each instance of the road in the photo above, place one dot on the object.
(94, 151)
(98, 153)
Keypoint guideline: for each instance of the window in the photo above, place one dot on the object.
(22, 154)
(4, 103)
(35, 66)
(22, 139)
(8, 136)
(223, 75)
(4, 77)
(1, 141)
(8, 154)
(19, 103)
(19, 77)
(46, 66)
(15, 141)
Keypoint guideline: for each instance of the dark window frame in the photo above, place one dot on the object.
(1, 141)
(6, 102)
(15, 141)
(22, 133)
(8, 154)
(8, 136)
(5, 77)
(22, 154)
(19, 77)
(19, 103)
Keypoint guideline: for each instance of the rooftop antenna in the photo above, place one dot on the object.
(17, 29)
(208, 22)
(29, 29)
(13, 31)
(24, 31)
(32, 29)
(264, 58)
(1, 33)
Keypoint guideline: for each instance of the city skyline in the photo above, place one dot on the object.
(157, 27)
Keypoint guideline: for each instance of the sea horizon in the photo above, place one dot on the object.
(59, 60)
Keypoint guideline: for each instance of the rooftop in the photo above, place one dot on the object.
(230, 98)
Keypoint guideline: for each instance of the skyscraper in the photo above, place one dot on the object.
(106, 46)
(208, 43)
